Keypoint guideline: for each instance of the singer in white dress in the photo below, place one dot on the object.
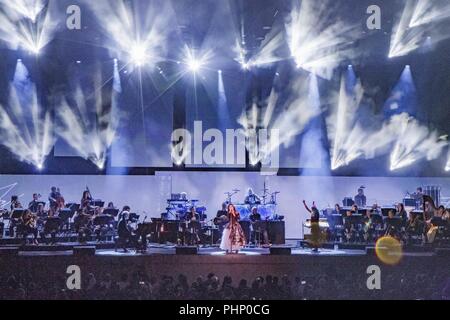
(233, 238)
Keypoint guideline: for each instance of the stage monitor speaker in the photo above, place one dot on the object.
(11, 251)
(186, 250)
(280, 251)
(83, 251)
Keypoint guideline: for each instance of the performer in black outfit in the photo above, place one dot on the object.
(315, 228)
(125, 232)
(33, 206)
(53, 199)
(258, 226)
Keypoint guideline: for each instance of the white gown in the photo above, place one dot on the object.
(228, 244)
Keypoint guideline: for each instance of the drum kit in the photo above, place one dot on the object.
(266, 206)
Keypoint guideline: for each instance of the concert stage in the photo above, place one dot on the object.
(160, 260)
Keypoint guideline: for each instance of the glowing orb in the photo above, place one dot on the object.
(389, 250)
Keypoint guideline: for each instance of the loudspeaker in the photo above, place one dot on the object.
(280, 251)
(84, 251)
(11, 251)
(186, 250)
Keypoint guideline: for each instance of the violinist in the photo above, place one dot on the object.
(29, 226)
(86, 199)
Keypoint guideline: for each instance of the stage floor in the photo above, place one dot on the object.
(107, 250)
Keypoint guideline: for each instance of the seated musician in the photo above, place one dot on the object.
(29, 226)
(252, 198)
(368, 225)
(349, 227)
(15, 204)
(413, 228)
(34, 204)
(257, 226)
(82, 224)
(86, 199)
(192, 215)
(392, 229)
(193, 219)
(125, 231)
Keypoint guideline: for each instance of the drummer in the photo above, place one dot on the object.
(251, 198)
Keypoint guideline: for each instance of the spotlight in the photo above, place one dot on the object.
(194, 65)
(19, 60)
(35, 49)
(40, 166)
(246, 65)
(138, 54)
(447, 168)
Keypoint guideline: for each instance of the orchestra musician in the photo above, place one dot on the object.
(414, 227)
(349, 227)
(233, 238)
(418, 197)
(401, 212)
(360, 198)
(82, 223)
(252, 198)
(315, 228)
(33, 206)
(368, 225)
(193, 223)
(86, 199)
(392, 229)
(15, 204)
(258, 226)
(53, 199)
(29, 226)
(221, 217)
(125, 230)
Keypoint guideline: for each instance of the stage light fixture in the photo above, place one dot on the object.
(138, 54)
(194, 65)
(246, 65)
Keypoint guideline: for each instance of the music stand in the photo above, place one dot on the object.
(385, 211)
(111, 212)
(73, 206)
(103, 220)
(133, 217)
(65, 215)
(17, 214)
(439, 222)
(97, 203)
(394, 222)
(52, 224)
(376, 219)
